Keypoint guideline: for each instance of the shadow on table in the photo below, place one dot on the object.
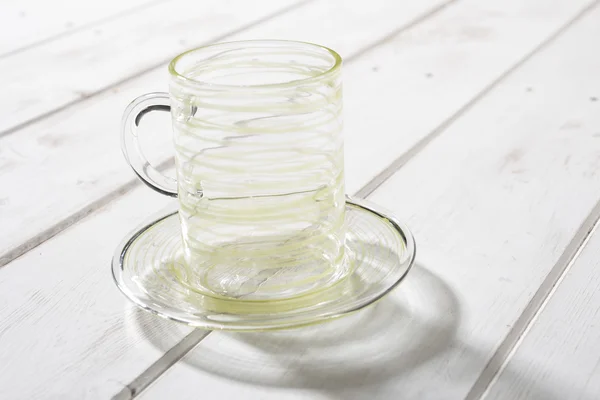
(415, 323)
(349, 358)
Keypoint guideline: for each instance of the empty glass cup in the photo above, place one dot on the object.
(260, 168)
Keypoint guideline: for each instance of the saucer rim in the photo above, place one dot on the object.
(400, 228)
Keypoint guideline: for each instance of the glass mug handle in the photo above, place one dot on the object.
(131, 146)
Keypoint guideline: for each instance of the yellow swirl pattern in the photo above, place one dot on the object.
(150, 269)
(259, 155)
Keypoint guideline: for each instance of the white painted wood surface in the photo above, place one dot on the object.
(439, 76)
(25, 23)
(493, 201)
(559, 358)
(496, 186)
(99, 343)
(65, 330)
(121, 48)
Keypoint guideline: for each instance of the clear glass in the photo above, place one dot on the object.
(259, 154)
(145, 268)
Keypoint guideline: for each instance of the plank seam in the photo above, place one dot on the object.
(542, 295)
(80, 28)
(408, 155)
(166, 361)
(535, 306)
(402, 28)
(149, 69)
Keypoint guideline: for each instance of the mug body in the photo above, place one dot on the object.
(260, 168)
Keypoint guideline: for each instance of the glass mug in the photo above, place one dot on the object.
(257, 131)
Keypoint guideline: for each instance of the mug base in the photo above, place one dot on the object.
(147, 267)
(272, 277)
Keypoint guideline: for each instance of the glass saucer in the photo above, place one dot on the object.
(145, 268)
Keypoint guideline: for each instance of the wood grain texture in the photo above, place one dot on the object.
(435, 69)
(65, 331)
(25, 23)
(493, 202)
(559, 357)
(49, 77)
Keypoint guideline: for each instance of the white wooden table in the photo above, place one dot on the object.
(475, 121)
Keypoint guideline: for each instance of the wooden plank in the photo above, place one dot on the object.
(65, 331)
(493, 202)
(432, 74)
(559, 357)
(26, 23)
(80, 65)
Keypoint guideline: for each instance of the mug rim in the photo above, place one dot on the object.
(191, 81)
